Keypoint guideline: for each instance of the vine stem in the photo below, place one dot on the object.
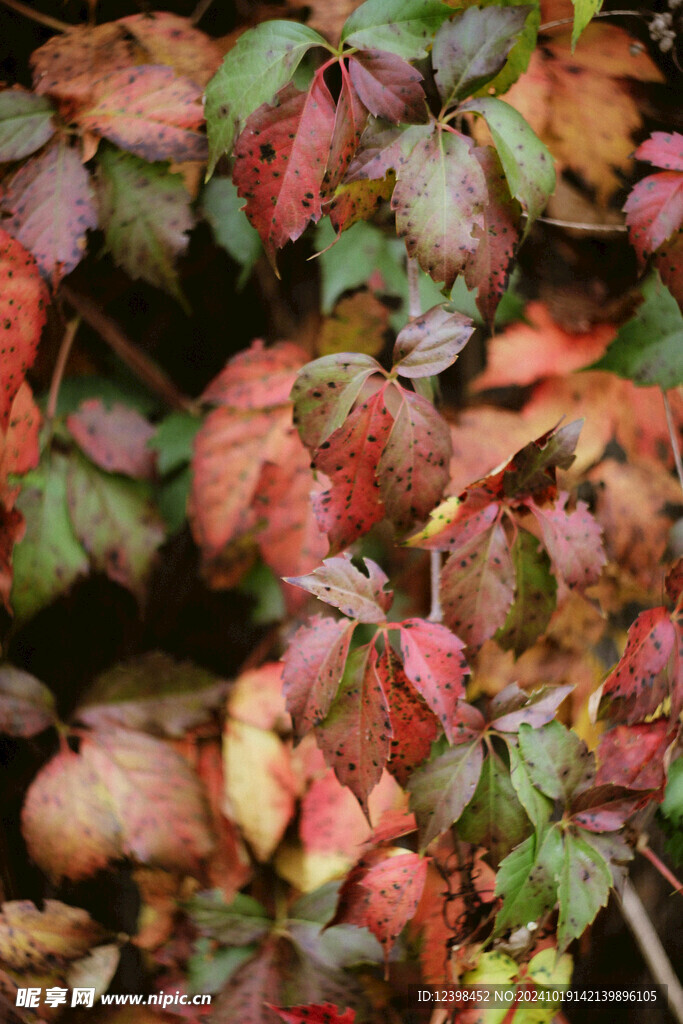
(199, 11)
(651, 948)
(674, 437)
(661, 867)
(578, 225)
(42, 19)
(60, 366)
(601, 14)
(415, 310)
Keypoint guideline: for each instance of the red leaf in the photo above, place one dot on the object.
(654, 211)
(258, 377)
(280, 160)
(478, 586)
(12, 528)
(313, 668)
(350, 458)
(414, 725)
(114, 439)
(67, 65)
(325, 391)
(322, 1013)
(663, 150)
(674, 581)
(148, 111)
(52, 207)
(635, 688)
(573, 540)
(413, 468)
(331, 820)
(633, 755)
(356, 732)
(669, 261)
(605, 808)
(23, 305)
(384, 148)
(172, 40)
(389, 86)
(349, 121)
(434, 663)
(19, 448)
(382, 893)
(488, 268)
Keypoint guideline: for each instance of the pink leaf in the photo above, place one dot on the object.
(258, 377)
(314, 1013)
(635, 688)
(431, 342)
(280, 160)
(52, 207)
(349, 121)
(415, 727)
(389, 86)
(313, 668)
(331, 820)
(434, 663)
(663, 150)
(23, 311)
(654, 211)
(114, 439)
(573, 540)
(339, 583)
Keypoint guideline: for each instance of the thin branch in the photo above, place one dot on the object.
(661, 867)
(60, 366)
(414, 304)
(673, 434)
(38, 16)
(651, 948)
(601, 14)
(199, 11)
(141, 365)
(578, 225)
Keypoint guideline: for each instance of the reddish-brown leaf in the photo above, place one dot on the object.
(356, 733)
(349, 121)
(51, 206)
(280, 160)
(313, 668)
(414, 725)
(115, 439)
(488, 267)
(435, 665)
(654, 211)
(318, 1013)
(326, 390)
(573, 540)
(12, 530)
(258, 377)
(19, 449)
(26, 706)
(605, 808)
(674, 581)
(174, 41)
(23, 310)
(633, 755)
(148, 111)
(389, 86)
(637, 686)
(38, 941)
(67, 65)
(349, 458)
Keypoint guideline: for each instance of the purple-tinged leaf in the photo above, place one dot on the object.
(494, 817)
(339, 583)
(434, 663)
(558, 762)
(512, 706)
(25, 124)
(439, 199)
(280, 160)
(350, 460)
(413, 468)
(535, 596)
(431, 342)
(478, 585)
(471, 49)
(356, 732)
(383, 148)
(388, 86)
(532, 470)
(573, 540)
(26, 705)
(488, 268)
(350, 119)
(313, 668)
(584, 884)
(440, 790)
(637, 686)
(414, 725)
(606, 808)
(325, 391)
(115, 439)
(634, 755)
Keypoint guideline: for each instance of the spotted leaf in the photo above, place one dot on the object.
(441, 789)
(319, 1013)
(360, 595)
(494, 817)
(388, 86)
(584, 884)
(654, 209)
(637, 685)
(573, 540)
(174, 41)
(326, 390)
(435, 665)
(431, 342)
(535, 596)
(404, 27)
(23, 311)
(25, 124)
(557, 760)
(115, 439)
(313, 668)
(350, 117)
(414, 724)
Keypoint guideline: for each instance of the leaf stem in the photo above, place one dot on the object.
(601, 14)
(141, 365)
(661, 867)
(42, 19)
(674, 437)
(651, 948)
(580, 225)
(60, 366)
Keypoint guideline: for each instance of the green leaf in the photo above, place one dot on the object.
(558, 762)
(349, 262)
(470, 50)
(649, 348)
(584, 10)
(116, 523)
(527, 880)
(173, 441)
(146, 215)
(584, 884)
(404, 27)
(239, 923)
(25, 124)
(209, 969)
(496, 969)
(172, 499)
(494, 817)
(441, 789)
(49, 558)
(670, 812)
(222, 208)
(260, 63)
(528, 166)
(520, 54)
(535, 595)
(320, 409)
(537, 806)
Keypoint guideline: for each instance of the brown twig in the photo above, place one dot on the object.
(141, 365)
(673, 435)
(60, 366)
(577, 225)
(661, 867)
(651, 948)
(42, 19)
(601, 14)
(199, 11)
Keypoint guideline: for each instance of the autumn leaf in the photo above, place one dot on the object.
(434, 663)
(148, 111)
(359, 595)
(25, 124)
(388, 86)
(535, 595)
(441, 789)
(68, 64)
(404, 28)
(145, 215)
(494, 817)
(331, 821)
(414, 724)
(512, 706)
(280, 162)
(584, 884)
(654, 208)
(115, 439)
(313, 668)
(431, 342)
(350, 117)
(258, 377)
(324, 1013)
(27, 707)
(23, 312)
(326, 390)
(50, 203)
(38, 941)
(573, 540)
(637, 685)
(174, 41)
